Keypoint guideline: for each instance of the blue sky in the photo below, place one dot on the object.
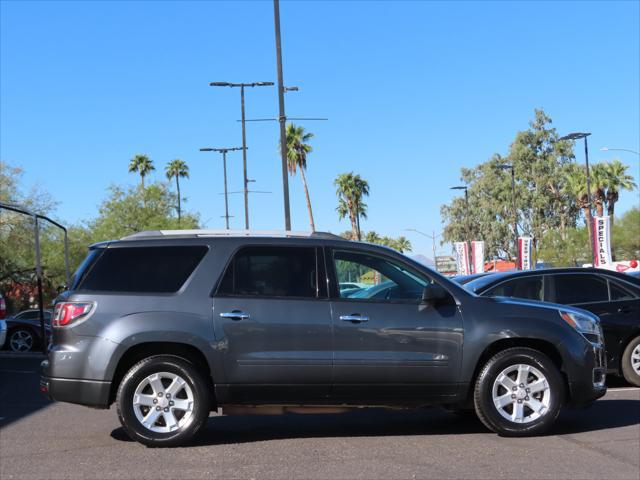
(413, 91)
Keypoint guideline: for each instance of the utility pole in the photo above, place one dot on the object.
(433, 237)
(244, 137)
(282, 117)
(224, 168)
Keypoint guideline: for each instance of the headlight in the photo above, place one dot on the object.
(589, 327)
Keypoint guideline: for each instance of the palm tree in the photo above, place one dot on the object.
(402, 244)
(297, 151)
(179, 169)
(351, 189)
(576, 186)
(143, 165)
(599, 183)
(617, 179)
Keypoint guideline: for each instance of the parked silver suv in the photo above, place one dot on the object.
(170, 325)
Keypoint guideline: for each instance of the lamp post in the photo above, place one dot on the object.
(432, 237)
(466, 201)
(607, 149)
(505, 166)
(244, 137)
(578, 136)
(224, 167)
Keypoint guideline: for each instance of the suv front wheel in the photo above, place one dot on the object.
(163, 401)
(519, 392)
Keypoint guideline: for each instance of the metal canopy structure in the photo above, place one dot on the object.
(36, 236)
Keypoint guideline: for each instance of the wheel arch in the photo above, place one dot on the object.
(141, 351)
(502, 344)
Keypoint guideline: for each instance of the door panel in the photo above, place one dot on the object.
(388, 345)
(274, 335)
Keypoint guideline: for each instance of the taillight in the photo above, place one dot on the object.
(3, 308)
(66, 313)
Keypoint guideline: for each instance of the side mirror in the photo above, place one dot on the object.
(434, 294)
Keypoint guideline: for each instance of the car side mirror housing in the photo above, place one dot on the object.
(434, 294)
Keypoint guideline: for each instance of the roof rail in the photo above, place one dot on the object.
(229, 233)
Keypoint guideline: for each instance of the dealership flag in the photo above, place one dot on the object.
(602, 242)
(477, 256)
(462, 258)
(525, 246)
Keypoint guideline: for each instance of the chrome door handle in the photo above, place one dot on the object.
(235, 315)
(355, 318)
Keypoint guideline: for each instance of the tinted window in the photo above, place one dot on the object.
(376, 278)
(529, 288)
(579, 288)
(143, 269)
(272, 272)
(619, 293)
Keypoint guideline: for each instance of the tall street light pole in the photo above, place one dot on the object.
(432, 237)
(466, 201)
(282, 117)
(515, 210)
(578, 136)
(244, 137)
(224, 167)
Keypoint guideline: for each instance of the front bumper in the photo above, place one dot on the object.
(590, 384)
(92, 393)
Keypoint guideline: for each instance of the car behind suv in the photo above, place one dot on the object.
(169, 325)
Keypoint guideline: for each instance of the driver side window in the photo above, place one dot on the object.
(368, 277)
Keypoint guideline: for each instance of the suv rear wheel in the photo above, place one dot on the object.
(163, 401)
(519, 392)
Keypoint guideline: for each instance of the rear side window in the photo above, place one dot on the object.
(143, 269)
(619, 293)
(272, 272)
(579, 288)
(529, 288)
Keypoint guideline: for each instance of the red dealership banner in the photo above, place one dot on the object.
(477, 256)
(462, 258)
(525, 249)
(602, 242)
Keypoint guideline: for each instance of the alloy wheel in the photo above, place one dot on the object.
(521, 393)
(635, 359)
(21, 341)
(163, 402)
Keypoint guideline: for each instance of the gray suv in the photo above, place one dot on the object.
(169, 325)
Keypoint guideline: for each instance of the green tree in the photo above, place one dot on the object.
(599, 183)
(542, 201)
(626, 236)
(576, 187)
(142, 165)
(617, 179)
(297, 152)
(565, 249)
(351, 189)
(130, 210)
(177, 169)
(401, 244)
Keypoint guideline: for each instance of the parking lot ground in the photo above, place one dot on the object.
(41, 439)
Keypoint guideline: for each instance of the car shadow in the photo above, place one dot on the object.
(19, 387)
(221, 430)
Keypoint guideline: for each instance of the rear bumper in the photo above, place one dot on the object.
(92, 393)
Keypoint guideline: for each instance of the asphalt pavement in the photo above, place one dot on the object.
(42, 439)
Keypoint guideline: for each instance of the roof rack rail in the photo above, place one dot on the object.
(229, 233)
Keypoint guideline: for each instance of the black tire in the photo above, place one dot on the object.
(25, 334)
(173, 365)
(489, 414)
(629, 374)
